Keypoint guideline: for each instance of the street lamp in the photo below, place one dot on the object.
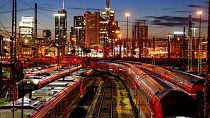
(169, 50)
(126, 43)
(120, 44)
(117, 32)
(59, 34)
(113, 36)
(199, 46)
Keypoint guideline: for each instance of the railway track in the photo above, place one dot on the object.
(111, 100)
(102, 106)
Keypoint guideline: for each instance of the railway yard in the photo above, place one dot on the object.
(105, 89)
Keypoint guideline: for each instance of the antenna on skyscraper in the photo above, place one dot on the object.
(107, 4)
(62, 3)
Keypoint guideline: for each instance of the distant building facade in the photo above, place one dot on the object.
(78, 30)
(26, 41)
(26, 27)
(47, 36)
(140, 37)
(91, 23)
(109, 26)
(61, 29)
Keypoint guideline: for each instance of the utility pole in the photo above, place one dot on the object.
(199, 46)
(127, 35)
(183, 49)
(133, 40)
(13, 56)
(1, 47)
(35, 36)
(13, 41)
(139, 40)
(190, 45)
(207, 85)
(153, 46)
(1, 42)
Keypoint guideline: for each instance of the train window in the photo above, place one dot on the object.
(192, 80)
(47, 74)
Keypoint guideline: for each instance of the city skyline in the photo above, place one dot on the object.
(166, 16)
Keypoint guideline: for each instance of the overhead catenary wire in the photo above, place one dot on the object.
(4, 4)
(9, 11)
(4, 28)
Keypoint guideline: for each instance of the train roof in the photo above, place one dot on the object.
(67, 78)
(46, 93)
(30, 81)
(38, 77)
(57, 83)
(29, 105)
(82, 70)
(164, 83)
(193, 79)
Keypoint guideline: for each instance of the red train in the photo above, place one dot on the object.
(192, 84)
(39, 70)
(161, 99)
(40, 80)
(56, 99)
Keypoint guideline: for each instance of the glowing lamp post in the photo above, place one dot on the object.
(120, 44)
(169, 49)
(199, 45)
(117, 32)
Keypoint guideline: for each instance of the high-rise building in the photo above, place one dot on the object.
(140, 37)
(61, 29)
(72, 42)
(103, 31)
(109, 17)
(91, 28)
(109, 26)
(26, 41)
(79, 30)
(26, 27)
(108, 14)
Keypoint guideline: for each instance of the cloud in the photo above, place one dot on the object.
(182, 11)
(195, 6)
(171, 21)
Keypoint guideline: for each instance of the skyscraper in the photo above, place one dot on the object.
(91, 23)
(26, 27)
(79, 30)
(61, 29)
(108, 26)
(108, 14)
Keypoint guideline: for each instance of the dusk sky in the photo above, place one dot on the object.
(163, 16)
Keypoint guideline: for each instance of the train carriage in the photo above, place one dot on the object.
(57, 99)
(163, 100)
(192, 84)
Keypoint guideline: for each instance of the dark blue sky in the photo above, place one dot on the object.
(164, 16)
